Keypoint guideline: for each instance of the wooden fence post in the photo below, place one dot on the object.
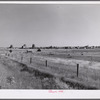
(21, 58)
(46, 63)
(30, 60)
(77, 69)
(91, 58)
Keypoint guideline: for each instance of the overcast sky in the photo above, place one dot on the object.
(49, 24)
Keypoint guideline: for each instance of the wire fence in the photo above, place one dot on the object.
(84, 73)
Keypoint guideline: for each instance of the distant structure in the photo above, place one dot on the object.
(38, 50)
(24, 46)
(33, 46)
(11, 47)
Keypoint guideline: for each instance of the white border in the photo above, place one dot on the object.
(44, 94)
(49, 2)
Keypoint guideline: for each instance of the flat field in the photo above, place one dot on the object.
(58, 68)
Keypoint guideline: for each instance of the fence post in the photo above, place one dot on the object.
(77, 69)
(91, 58)
(46, 63)
(21, 58)
(30, 60)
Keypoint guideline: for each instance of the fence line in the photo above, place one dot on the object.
(70, 70)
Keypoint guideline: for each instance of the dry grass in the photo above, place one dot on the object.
(60, 64)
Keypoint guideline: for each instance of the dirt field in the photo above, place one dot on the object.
(50, 69)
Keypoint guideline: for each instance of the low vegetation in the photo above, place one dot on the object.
(62, 64)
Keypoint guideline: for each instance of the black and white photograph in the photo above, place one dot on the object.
(50, 46)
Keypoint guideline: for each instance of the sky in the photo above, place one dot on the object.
(49, 24)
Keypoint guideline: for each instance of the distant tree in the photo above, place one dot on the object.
(66, 47)
(33, 46)
(11, 46)
(86, 46)
(50, 47)
(23, 46)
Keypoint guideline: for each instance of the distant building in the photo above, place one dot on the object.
(33, 46)
(24, 46)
